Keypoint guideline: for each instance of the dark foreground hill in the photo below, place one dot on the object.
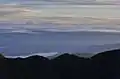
(105, 65)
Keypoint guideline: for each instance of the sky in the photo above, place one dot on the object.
(65, 12)
(59, 15)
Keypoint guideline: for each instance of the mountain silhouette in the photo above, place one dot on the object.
(107, 64)
(104, 65)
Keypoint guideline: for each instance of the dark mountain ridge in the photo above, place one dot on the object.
(104, 65)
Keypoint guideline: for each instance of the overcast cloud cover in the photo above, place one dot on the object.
(64, 12)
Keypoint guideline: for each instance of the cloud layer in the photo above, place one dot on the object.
(65, 12)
